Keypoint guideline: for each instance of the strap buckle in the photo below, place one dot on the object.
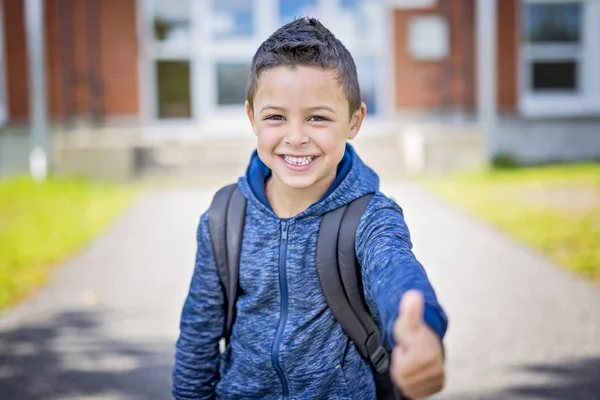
(380, 360)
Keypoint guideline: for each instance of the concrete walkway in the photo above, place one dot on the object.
(105, 327)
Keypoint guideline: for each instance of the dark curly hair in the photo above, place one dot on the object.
(306, 42)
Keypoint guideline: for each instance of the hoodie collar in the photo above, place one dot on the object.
(353, 179)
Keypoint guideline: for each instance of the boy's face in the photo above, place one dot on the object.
(302, 122)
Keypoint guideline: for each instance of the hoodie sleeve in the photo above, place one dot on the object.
(195, 373)
(389, 268)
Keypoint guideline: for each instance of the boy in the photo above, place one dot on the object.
(303, 102)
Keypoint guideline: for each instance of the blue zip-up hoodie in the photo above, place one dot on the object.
(285, 342)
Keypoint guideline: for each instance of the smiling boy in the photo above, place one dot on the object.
(303, 102)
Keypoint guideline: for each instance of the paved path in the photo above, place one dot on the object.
(105, 327)
(520, 328)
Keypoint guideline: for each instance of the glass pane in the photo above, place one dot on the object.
(367, 77)
(358, 21)
(172, 22)
(173, 88)
(350, 3)
(552, 22)
(554, 75)
(356, 4)
(233, 18)
(232, 79)
(290, 10)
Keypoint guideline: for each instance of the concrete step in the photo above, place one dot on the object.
(227, 157)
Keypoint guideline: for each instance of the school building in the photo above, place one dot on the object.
(174, 66)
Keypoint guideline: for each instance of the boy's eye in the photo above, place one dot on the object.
(317, 118)
(275, 118)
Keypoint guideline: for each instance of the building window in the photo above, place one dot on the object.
(560, 58)
(553, 22)
(554, 75)
(290, 10)
(173, 89)
(171, 23)
(553, 46)
(233, 19)
(169, 57)
(231, 83)
(359, 20)
(367, 77)
(352, 4)
(197, 53)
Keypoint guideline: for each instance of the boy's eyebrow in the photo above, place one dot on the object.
(311, 109)
(270, 107)
(321, 108)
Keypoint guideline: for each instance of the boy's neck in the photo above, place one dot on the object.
(288, 202)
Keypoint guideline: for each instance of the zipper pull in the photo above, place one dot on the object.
(284, 231)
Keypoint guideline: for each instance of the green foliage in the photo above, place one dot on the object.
(42, 223)
(505, 161)
(555, 209)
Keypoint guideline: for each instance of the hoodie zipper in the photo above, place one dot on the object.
(284, 307)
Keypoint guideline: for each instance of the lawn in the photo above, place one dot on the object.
(41, 224)
(555, 209)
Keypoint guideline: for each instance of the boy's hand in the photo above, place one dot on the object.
(417, 364)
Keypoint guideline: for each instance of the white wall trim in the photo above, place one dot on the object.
(144, 81)
(561, 106)
(487, 77)
(412, 4)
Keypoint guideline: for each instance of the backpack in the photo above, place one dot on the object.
(337, 268)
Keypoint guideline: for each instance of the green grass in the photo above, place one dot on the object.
(555, 209)
(41, 224)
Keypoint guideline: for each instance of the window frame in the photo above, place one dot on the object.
(585, 100)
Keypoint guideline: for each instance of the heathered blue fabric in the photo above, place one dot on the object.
(316, 357)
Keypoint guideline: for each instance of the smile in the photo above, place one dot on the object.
(298, 163)
(299, 160)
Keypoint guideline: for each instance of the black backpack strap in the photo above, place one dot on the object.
(331, 282)
(226, 226)
(352, 281)
(339, 275)
(341, 282)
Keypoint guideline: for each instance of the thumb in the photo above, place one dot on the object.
(410, 318)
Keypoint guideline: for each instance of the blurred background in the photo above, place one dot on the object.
(119, 119)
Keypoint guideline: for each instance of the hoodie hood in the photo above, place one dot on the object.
(353, 180)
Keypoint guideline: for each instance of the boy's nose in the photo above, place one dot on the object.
(296, 136)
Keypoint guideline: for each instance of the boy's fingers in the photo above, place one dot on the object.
(412, 306)
(403, 364)
(416, 374)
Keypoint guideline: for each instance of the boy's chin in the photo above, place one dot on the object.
(299, 182)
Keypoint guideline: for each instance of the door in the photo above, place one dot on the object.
(168, 27)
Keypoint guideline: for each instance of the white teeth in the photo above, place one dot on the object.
(298, 160)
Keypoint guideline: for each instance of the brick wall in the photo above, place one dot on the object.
(118, 57)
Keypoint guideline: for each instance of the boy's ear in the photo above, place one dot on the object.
(357, 120)
(250, 114)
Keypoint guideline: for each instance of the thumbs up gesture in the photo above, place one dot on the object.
(417, 364)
